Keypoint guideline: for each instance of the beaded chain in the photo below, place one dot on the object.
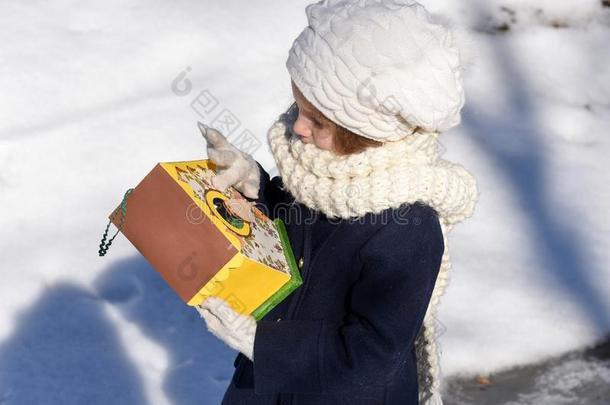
(104, 246)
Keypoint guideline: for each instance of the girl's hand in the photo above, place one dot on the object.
(239, 169)
(236, 330)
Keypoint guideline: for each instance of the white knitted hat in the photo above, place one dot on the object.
(380, 68)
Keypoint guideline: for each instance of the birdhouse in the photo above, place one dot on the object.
(204, 242)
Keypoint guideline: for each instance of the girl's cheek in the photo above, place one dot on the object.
(325, 142)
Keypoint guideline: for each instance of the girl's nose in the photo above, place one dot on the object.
(301, 128)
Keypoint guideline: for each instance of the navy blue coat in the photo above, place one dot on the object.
(346, 335)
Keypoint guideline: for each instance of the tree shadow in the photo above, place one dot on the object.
(200, 365)
(66, 351)
(517, 150)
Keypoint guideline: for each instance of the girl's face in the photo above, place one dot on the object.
(308, 127)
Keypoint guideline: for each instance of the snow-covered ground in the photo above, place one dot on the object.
(93, 95)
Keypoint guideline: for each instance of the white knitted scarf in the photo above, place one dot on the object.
(373, 180)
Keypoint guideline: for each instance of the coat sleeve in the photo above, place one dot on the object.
(271, 194)
(387, 304)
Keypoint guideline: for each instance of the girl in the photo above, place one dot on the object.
(367, 202)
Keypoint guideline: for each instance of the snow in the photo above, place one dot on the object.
(91, 100)
(566, 383)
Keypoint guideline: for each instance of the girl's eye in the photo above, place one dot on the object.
(317, 123)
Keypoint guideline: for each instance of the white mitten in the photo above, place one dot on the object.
(235, 329)
(239, 168)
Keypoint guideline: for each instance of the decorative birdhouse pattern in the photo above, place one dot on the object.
(262, 242)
